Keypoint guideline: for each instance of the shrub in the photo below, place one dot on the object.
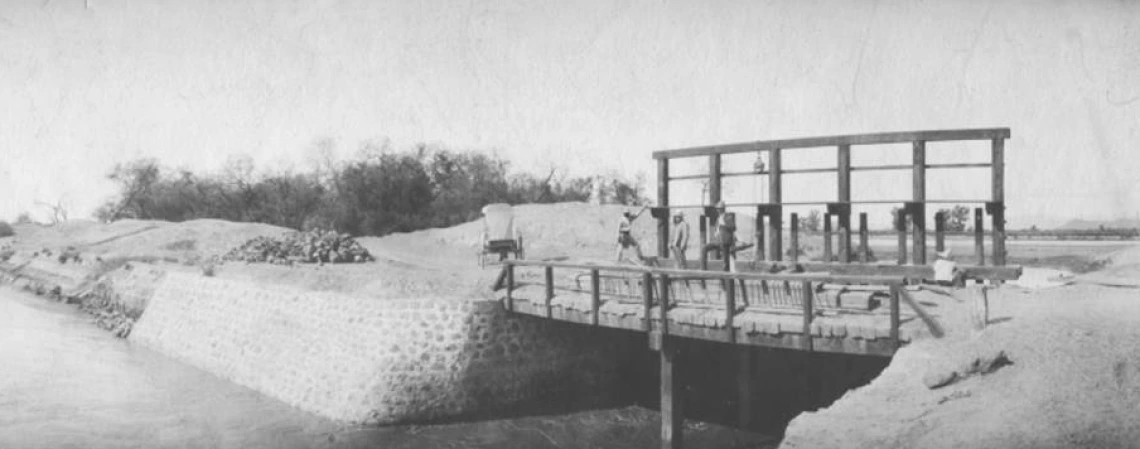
(6, 229)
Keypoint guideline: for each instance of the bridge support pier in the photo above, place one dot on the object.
(672, 414)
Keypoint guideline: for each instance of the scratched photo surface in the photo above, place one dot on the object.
(569, 224)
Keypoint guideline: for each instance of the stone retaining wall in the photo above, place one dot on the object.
(379, 361)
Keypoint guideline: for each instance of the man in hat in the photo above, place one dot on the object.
(625, 234)
(680, 240)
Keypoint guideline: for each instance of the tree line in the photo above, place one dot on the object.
(378, 192)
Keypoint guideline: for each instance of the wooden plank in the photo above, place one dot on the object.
(843, 169)
(998, 235)
(839, 272)
(974, 165)
(672, 389)
(881, 167)
(595, 296)
(828, 141)
(844, 238)
(687, 177)
(663, 201)
(979, 236)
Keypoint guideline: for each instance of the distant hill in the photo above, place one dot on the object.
(1123, 223)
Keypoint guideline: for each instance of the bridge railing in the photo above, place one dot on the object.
(656, 282)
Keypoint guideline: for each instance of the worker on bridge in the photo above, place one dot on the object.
(625, 235)
(680, 240)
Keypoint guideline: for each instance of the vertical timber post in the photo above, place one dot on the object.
(896, 291)
(843, 171)
(729, 309)
(900, 226)
(595, 296)
(647, 300)
(549, 289)
(663, 201)
(775, 225)
(864, 239)
(979, 236)
(510, 287)
(939, 231)
(672, 415)
(918, 216)
(809, 314)
(794, 237)
(744, 390)
(826, 237)
(998, 194)
(760, 254)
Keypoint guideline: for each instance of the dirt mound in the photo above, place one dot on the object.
(1120, 268)
(1072, 381)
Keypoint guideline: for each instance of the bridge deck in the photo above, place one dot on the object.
(850, 320)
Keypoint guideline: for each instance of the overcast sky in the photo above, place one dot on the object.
(592, 86)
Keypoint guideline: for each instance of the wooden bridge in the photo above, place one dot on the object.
(850, 306)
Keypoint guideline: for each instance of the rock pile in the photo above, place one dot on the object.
(314, 246)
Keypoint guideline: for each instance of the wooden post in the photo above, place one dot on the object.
(998, 194)
(663, 201)
(918, 218)
(704, 231)
(672, 416)
(794, 237)
(844, 239)
(776, 233)
(510, 287)
(896, 290)
(595, 296)
(864, 238)
(979, 236)
(714, 179)
(729, 309)
(900, 226)
(827, 237)
(809, 314)
(663, 298)
(647, 299)
(844, 182)
(939, 231)
(998, 231)
(760, 254)
(549, 289)
(843, 178)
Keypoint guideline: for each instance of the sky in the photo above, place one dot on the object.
(589, 86)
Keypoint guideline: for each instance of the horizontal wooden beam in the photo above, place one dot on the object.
(847, 139)
(701, 274)
(1001, 273)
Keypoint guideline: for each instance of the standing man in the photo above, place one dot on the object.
(625, 234)
(680, 240)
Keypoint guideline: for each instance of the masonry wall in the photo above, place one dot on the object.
(380, 361)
